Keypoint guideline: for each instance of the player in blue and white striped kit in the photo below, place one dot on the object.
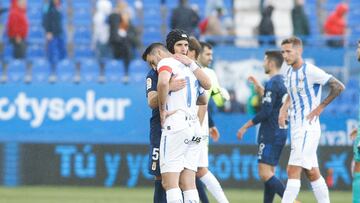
(304, 105)
(271, 139)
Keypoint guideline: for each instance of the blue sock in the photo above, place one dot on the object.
(201, 190)
(273, 186)
(159, 193)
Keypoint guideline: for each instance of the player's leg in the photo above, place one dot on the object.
(159, 192)
(293, 184)
(206, 177)
(356, 182)
(318, 185)
(201, 190)
(212, 184)
(154, 169)
(272, 184)
(268, 158)
(356, 178)
(170, 182)
(188, 186)
(294, 168)
(310, 164)
(172, 148)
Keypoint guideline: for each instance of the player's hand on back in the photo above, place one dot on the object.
(214, 133)
(183, 59)
(176, 83)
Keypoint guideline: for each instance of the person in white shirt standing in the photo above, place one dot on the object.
(179, 145)
(304, 82)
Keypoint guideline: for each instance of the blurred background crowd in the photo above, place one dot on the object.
(102, 40)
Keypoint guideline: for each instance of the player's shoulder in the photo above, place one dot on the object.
(311, 66)
(152, 74)
(167, 61)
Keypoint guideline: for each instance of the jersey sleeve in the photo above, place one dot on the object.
(268, 101)
(151, 84)
(317, 75)
(164, 65)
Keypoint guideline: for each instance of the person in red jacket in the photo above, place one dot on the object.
(335, 25)
(18, 27)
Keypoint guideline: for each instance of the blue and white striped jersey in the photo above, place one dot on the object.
(304, 87)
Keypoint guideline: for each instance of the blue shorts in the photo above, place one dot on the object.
(154, 165)
(269, 153)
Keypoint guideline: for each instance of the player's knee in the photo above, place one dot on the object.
(201, 172)
(313, 174)
(167, 185)
(265, 175)
(294, 172)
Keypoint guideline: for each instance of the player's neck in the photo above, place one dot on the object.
(298, 64)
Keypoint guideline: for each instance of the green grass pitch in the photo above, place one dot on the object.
(134, 195)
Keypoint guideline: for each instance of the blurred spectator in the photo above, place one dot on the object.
(233, 106)
(101, 31)
(3, 10)
(321, 13)
(266, 27)
(123, 36)
(299, 19)
(55, 39)
(18, 27)
(214, 25)
(184, 18)
(213, 5)
(335, 25)
(214, 28)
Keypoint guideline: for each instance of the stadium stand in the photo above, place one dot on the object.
(246, 15)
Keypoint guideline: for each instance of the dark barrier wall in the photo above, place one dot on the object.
(126, 165)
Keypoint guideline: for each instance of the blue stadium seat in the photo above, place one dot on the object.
(139, 66)
(16, 70)
(89, 69)
(114, 70)
(36, 50)
(66, 70)
(82, 34)
(40, 69)
(36, 34)
(83, 50)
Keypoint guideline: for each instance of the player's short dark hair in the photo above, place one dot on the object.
(205, 44)
(194, 45)
(295, 41)
(174, 36)
(276, 56)
(152, 47)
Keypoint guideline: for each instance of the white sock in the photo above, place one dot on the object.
(191, 196)
(320, 190)
(213, 185)
(291, 191)
(174, 196)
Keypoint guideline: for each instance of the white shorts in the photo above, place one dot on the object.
(179, 149)
(304, 144)
(204, 152)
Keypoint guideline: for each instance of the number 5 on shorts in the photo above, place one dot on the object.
(155, 154)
